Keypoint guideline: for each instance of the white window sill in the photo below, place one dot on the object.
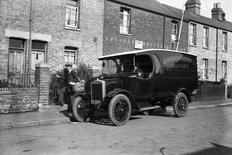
(193, 45)
(123, 33)
(72, 28)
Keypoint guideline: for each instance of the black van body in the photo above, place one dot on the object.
(139, 80)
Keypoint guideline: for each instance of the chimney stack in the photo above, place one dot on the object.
(193, 6)
(217, 12)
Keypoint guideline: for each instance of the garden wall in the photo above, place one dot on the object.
(14, 100)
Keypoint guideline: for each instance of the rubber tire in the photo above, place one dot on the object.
(111, 110)
(180, 101)
(77, 115)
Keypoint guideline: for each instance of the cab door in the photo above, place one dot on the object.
(140, 85)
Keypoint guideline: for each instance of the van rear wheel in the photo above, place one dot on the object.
(180, 105)
(119, 109)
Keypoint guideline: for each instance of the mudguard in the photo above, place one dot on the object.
(185, 91)
(111, 94)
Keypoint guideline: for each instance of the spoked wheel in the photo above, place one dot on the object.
(180, 105)
(119, 109)
(80, 109)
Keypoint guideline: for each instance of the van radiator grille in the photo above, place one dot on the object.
(96, 91)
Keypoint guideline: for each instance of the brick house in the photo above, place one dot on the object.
(130, 25)
(210, 39)
(81, 30)
(60, 31)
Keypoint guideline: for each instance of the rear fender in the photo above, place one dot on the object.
(185, 91)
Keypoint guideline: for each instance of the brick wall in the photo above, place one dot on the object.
(18, 100)
(48, 22)
(14, 100)
(210, 53)
(42, 80)
(145, 26)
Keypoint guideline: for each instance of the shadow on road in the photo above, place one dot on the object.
(162, 112)
(102, 118)
(215, 150)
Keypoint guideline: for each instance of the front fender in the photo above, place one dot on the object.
(111, 94)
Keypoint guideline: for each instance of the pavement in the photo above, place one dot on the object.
(53, 115)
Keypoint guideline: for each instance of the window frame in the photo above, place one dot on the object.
(193, 34)
(206, 37)
(77, 14)
(224, 41)
(224, 69)
(205, 69)
(174, 34)
(70, 50)
(122, 25)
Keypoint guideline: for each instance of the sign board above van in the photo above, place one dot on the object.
(138, 44)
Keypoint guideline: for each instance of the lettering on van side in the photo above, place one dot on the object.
(178, 62)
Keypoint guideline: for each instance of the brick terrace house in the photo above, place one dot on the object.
(61, 31)
(130, 25)
(81, 30)
(141, 24)
(210, 39)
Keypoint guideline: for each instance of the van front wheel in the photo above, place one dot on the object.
(180, 105)
(119, 109)
(80, 109)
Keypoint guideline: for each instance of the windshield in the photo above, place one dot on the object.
(120, 65)
(129, 64)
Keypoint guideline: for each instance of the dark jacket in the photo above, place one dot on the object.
(70, 77)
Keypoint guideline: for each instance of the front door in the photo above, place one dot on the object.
(15, 66)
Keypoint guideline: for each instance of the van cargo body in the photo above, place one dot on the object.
(139, 81)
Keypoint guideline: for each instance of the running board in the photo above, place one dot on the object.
(145, 106)
(148, 108)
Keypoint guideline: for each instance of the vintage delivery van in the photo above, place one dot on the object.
(138, 81)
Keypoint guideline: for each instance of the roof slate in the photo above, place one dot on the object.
(163, 9)
(149, 5)
(188, 16)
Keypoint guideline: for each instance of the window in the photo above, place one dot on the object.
(206, 37)
(125, 15)
(205, 68)
(70, 55)
(72, 13)
(224, 69)
(225, 41)
(174, 36)
(193, 34)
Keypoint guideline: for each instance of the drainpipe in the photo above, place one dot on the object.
(181, 23)
(164, 26)
(216, 55)
(29, 46)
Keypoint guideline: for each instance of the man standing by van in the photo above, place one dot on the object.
(70, 78)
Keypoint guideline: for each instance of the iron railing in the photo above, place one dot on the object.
(18, 80)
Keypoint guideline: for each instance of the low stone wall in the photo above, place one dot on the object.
(13, 100)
